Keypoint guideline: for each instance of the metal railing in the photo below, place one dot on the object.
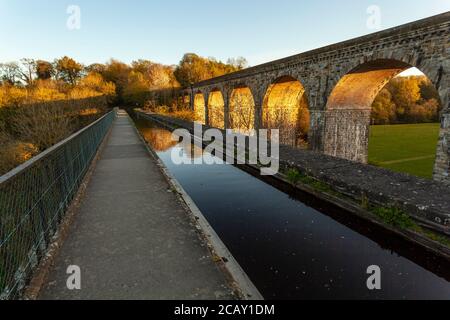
(34, 198)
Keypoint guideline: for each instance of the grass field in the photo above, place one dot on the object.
(409, 148)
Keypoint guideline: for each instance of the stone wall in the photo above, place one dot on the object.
(347, 134)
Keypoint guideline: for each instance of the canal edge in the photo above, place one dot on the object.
(246, 287)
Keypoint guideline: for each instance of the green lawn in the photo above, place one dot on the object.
(409, 148)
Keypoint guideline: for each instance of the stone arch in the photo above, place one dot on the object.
(349, 105)
(200, 107)
(431, 68)
(286, 107)
(242, 110)
(216, 109)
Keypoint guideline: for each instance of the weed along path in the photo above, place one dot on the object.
(294, 246)
(132, 237)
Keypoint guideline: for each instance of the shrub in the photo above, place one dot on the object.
(29, 129)
(293, 176)
(45, 124)
(161, 109)
(394, 216)
(42, 124)
(13, 152)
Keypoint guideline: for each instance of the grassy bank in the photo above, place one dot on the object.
(409, 148)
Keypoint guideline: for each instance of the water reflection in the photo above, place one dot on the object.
(295, 249)
(159, 139)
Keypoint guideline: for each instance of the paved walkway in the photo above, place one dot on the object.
(132, 238)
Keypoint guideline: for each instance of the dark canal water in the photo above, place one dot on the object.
(292, 246)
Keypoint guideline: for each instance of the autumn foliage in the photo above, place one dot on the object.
(406, 100)
(41, 103)
(193, 68)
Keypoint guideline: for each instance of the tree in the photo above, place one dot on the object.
(46, 90)
(428, 91)
(68, 70)
(10, 72)
(406, 100)
(136, 84)
(27, 70)
(383, 108)
(193, 68)
(11, 95)
(117, 72)
(44, 70)
(239, 63)
(96, 67)
(142, 66)
(14, 152)
(91, 86)
(157, 75)
(405, 94)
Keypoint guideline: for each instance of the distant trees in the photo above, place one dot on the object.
(132, 81)
(14, 72)
(45, 90)
(34, 81)
(41, 102)
(157, 75)
(116, 72)
(403, 100)
(27, 72)
(44, 70)
(406, 100)
(383, 108)
(145, 76)
(239, 62)
(135, 86)
(91, 85)
(193, 68)
(68, 70)
(9, 72)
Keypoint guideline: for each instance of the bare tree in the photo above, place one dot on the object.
(239, 62)
(10, 72)
(27, 70)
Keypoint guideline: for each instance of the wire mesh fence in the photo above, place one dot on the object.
(34, 198)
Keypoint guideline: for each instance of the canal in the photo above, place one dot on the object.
(293, 246)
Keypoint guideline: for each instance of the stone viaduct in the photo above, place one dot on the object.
(340, 83)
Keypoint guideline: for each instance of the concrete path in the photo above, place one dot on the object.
(131, 238)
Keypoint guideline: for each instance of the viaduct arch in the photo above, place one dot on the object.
(339, 82)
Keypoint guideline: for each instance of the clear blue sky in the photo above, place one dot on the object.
(163, 30)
